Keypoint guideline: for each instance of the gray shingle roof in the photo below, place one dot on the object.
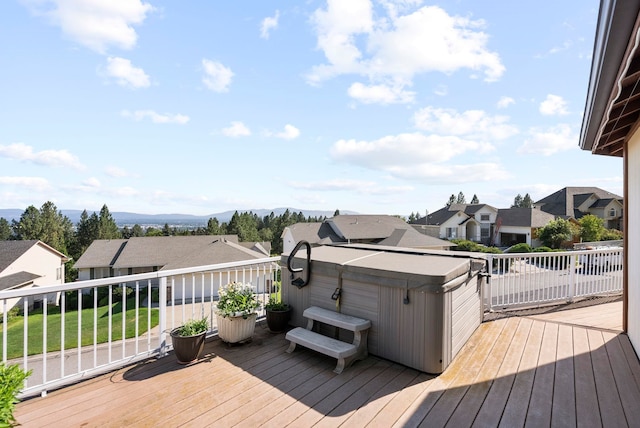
(411, 238)
(160, 250)
(169, 252)
(524, 217)
(355, 227)
(218, 251)
(17, 280)
(564, 201)
(10, 251)
(314, 233)
(101, 253)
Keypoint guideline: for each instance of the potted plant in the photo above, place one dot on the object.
(278, 314)
(188, 340)
(236, 312)
(12, 379)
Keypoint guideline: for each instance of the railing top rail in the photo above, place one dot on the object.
(560, 253)
(123, 279)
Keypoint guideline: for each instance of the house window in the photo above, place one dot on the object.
(612, 212)
(58, 273)
(92, 273)
(451, 233)
(484, 217)
(484, 232)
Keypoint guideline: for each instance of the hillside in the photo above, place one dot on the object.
(129, 219)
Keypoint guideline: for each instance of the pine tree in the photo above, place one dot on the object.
(517, 201)
(107, 227)
(5, 229)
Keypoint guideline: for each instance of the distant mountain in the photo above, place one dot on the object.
(129, 219)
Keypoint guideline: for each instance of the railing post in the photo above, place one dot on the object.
(487, 285)
(572, 278)
(162, 316)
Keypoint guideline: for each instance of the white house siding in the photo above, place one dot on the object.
(453, 223)
(195, 287)
(39, 261)
(98, 273)
(288, 241)
(632, 244)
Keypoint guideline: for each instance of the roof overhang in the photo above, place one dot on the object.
(613, 99)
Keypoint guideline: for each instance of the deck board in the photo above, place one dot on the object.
(515, 413)
(493, 406)
(563, 409)
(539, 412)
(533, 370)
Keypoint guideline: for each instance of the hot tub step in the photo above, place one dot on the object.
(346, 353)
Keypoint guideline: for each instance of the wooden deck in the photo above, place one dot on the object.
(515, 371)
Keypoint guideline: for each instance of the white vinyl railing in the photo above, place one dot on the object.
(90, 327)
(533, 279)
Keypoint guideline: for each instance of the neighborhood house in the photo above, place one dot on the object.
(106, 258)
(27, 264)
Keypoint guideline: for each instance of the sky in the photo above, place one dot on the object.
(377, 107)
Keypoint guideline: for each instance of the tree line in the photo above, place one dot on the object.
(50, 226)
(518, 202)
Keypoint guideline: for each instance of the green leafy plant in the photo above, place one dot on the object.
(237, 299)
(193, 327)
(274, 304)
(12, 379)
(520, 248)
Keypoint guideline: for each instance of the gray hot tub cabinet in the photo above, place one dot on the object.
(423, 305)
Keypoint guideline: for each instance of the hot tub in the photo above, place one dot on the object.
(423, 305)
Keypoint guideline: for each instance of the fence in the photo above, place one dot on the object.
(87, 328)
(532, 279)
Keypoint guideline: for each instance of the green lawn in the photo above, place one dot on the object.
(15, 328)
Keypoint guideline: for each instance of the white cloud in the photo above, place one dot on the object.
(401, 149)
(361, 186)
(116, 172)
(332, 185)
(505, 102)
(55, 158)
(441, 90)
(91, 182)
(268, 24)
(139, 115)
(381, 94)
(126, 74)
(470, 123)
(237, 129)
(95, 24)
(553, 105)
(216, 77)
(547, 142)
(289, 133)
(567, 44)
(396, 47)
(37, 184)
(417, 156)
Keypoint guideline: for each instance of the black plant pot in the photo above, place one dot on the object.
(187, 348)
(278, 321)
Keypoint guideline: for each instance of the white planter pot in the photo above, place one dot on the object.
(236, 329)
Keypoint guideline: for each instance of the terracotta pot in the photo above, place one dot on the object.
(236, 329)
(187, 348)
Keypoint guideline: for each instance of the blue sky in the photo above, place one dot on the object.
(378, 107)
